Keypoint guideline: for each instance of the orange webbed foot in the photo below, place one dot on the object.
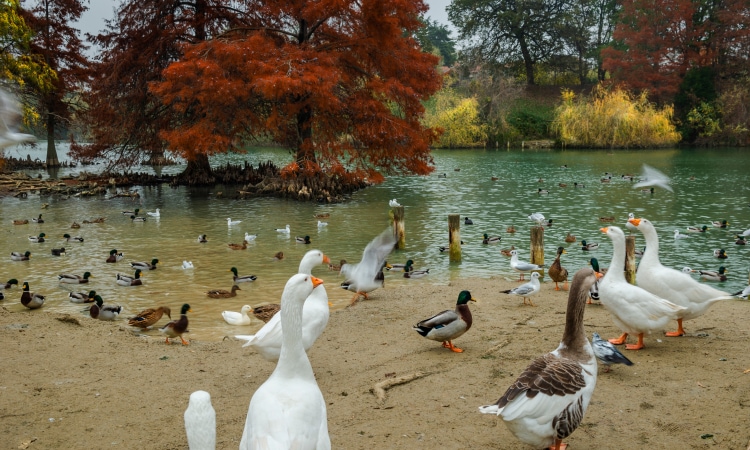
(559, 445)
(184, 342)
(673, 334)
(636, 346)
(449, 344)
(620, 340)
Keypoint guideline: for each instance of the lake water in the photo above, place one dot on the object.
(708, 185)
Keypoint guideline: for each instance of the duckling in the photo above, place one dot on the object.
(125, 280)
(202, 238)
(8, 284)
(104, 312)
(150, 316)
(70, 238)
(302, 240)
(38, 239)
(557, 272)
(222, 293)
(31, 300)
(490, 239)
(242, 246)
(82, 297)
(241, 279)
(507, 251)
(137, 218)
(18, 256)
(510, 229)
(586, 246)
(720, 253)
(144, 265)
(38, 219)
(720, 224)
(73, 278)
(177, 328)
(570, 238)
(114, 256)
(266, 312)
(448, 325)
(58, 251)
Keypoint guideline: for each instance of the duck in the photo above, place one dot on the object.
(647, 191)
(266, 312)
(58, 251)
(507, 251)
(448, 325)
(547, 223)
(241, 279)
(720, 253)
(156, 213)
(202, 239)
(114, 256)
(104, 312)
(278, 256)
(126, 280)
(564, 166)
(409, 272)
(542, 414)
(494, 178)
(302, 239)
(20, 221)
(490, 239)
(31, 300)
(607, 219)
(187, 265)
(97, 220)
(541, 191)
(720, 223)
(468, 221)
(18, 256)
(144, 265)
(39, 238)
(250, 237)
(200, 422)
(73, 278)
(131, 213)
(635, 309)
(336, 267)
(570, 238)
(242, 246)
(442, 175)
(578, 185)
(714, 275)
(223, 293)
(588, 246)
(691, 229)
(237, 318)
(398, 267)
(740, 240)
(82, 297)
(148, 317)
(8, 284)
(231, 222)
(394, 203)
(176, 328)
(367, 275)
(606, 179)
(322, 224)
(137, 218)
(557, 272)
(521, 266)
(510, 229)
(70, 238)
(315, 313)
(285, 230)
(594, 263)
(537, 217)
(289, 408)
(38, 219)
(607, 354)
(678, 235)
(526, 290)
(322, 215)
(671, 284)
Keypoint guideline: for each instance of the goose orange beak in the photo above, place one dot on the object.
(604, 230)
(316, 281)
(635, 222)
(326, 260)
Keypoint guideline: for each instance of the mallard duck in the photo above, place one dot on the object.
(398, 267)
(594, 263)
(278, 256)
(607, 354)
(521, 266)
(720, 223)
(411, 273)
(187, 265)
(104, 312)
(81, 297)
(200, 421)
(562, 185)
(38, 219)
(588, 246)
(131, 213)
(541, 191)
(720, 253)
(75, 225)
(549, 399)
(607, 219)
(302, 239)
(70, 238)
(714, 275)
(538, 218)
(526, 290)
(606, 179)
(39, 238)
(176, 328)
(678, 235)
(274, 415)
(315, 313)
(148, 317)
(97, 220)
(202, 238)
(468, 221)
(448, 325)
(126, 280)
(241, 279)
(647, 191)
(114, 256)
(31, 300)
(510, 229)
(336, 267)
(58, 251)
(222, 293)
(490, 239)
(138, 218)
(442, 175)
(493, 178)
(73, 278)
(740, 240)
(557, 272)
(18, 256)
(156, 213)
(701, 229)
(367, 275)
(20, 221)
(242, 246)
(237, 318)
(507, 251)
(8, 284)
(578, 185)
(144, 265)
(285, 230)
(671, 284)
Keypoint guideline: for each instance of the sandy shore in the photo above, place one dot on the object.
(73, 382)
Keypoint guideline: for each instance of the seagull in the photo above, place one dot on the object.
(187, 264)
(537, 217)
(521, 266)
(285, 230)
(231, 222)
(393, 203)
(653, 177)
(367, 275)
(322, 224)
(155, 213)
(678, 235)
(526, 290)
(607, 353)
(10, 117)
(250, 237)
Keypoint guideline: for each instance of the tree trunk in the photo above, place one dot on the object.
(305, 150)
(52, 160)
(198, 172)
(528, 62)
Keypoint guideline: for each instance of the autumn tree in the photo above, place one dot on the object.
(338, 83)
(58, 43)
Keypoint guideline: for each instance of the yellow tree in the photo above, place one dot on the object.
(458, 117)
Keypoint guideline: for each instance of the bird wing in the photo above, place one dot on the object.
(653, 177)
(373, 258)
(440, 319)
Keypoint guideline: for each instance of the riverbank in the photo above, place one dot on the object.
(73, 382)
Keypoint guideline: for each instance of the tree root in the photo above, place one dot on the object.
(382, 386)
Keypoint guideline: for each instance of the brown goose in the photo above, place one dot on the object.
(548, 400)
(448, 325)
(176, 328)
(557, 272)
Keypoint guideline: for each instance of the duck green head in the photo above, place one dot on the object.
(41, 235)
(27, 254)
(137, 274)
(25, 285)
(465, 297)
(594, 264)
(92, 294)
(583, 243)
(704, 228)
(12, 281)
(722, 270)
(113, 251)
(98, 300)
(86, 275)
(234, 271)
(185, 309)
(486, 236)
(409, 262)
(154, 261)
(66, 236)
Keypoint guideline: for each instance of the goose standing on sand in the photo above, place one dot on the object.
(673, 285)
(367, 275)
(549, 399)
(450, 324)
(288, 410)
(521, 266)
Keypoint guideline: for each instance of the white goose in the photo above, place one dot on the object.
(549, 399)
(521, 266)
(267, 341)
(671, 284)
(237, 318)
(288, 410)
(634, 309)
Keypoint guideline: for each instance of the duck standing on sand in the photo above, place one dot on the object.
(448, 325)
(29, 299)
(177, 328)
(148, 317)
(557, 272)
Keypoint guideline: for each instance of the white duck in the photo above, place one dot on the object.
(237, 318)
(526, 290)
(288, 410)
(200, 422)
(549, 399)
(671, 284)
(521, 266)
(367, 275)
(267, 341)
(634, 309)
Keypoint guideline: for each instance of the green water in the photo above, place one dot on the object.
(708, 185)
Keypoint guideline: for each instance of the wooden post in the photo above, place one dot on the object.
(454, 237)
(537, 247)
(630, 259)
(398, 226)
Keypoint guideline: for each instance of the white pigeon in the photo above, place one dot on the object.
(526, 290)
(537, 217)
(10, 117)
(607, 353)
(653, 177)
(285, 230)
(155, 213)
(521, 266)
(187, 264)
(231, 222)
(367, 275)
(200, 422)
(393, 203)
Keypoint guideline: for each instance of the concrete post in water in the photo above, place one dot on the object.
(454, 237)
(398, 226)
(630, 259)
(537, 247)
